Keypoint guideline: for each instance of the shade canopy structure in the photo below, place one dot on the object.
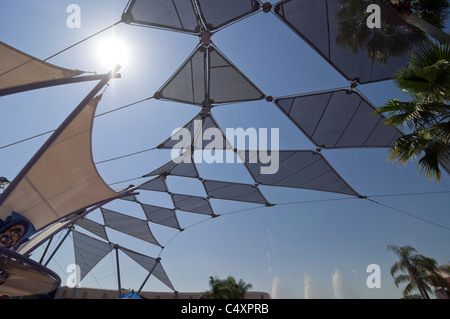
(207, 78)
(89, 251)
(201, 133)
(298, 169)
(339, 119)
(61, 178)
(338, 30)
(192, 17)
(130, 225)
(326, 136)
(20, 72)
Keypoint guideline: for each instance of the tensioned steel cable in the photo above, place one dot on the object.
(81, 41)
(408, 214)
(316, 201)
(306, 202)
(98, 115)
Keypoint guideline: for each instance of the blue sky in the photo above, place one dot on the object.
(318, 249)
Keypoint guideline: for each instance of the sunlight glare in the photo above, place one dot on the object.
(113, 51)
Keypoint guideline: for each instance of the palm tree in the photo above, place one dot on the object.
(226, 289)
(427, 15)
(427, 81)
(394, 38)
(419, 272)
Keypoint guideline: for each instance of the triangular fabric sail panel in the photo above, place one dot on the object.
(297, 169)
(129, 225)
(176, 15)
(219, 13)
(185, 169)
(62, 177)
(203, 122)
(188, 84)
(183, 165)
(148, 263)
(193, 204)
(228, 84)
(161, 215)
(18, 68)
(339, 119)
(156, 184)
(130, 198)
(234, 191)
(206, 78)
(338, 31)
(93, 227)
(88, 252)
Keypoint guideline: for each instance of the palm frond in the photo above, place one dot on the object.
(400, 279)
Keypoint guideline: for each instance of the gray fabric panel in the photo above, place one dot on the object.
(161, 215)
(299, 169)
(234, 191)
(130, 198)
(197, 127)
(188, 83)
(208, 77)
(383, 135)
(185, 169)
(161, 274)
(309, 18)
(164, 168)
(227, 83)
(88, 252)
(148, 263)
(285, 104)
(129, 225)
(93, 227)
(177, 15)
(177, 167)
(193, 204)
(307, 111)
(218, 13)
(156, 184)
(334, 120)
(364, 53)
(339, 119)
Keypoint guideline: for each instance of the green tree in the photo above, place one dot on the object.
(427, 15)
(387, 42)
(226, 288)
(393, 39)
(427, 82)
(418, 272)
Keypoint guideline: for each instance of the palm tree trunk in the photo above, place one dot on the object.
(412, 274)
(428, 28)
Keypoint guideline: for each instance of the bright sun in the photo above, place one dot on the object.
(113, 51)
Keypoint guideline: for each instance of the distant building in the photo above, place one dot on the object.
(440, 292)
(91, 293)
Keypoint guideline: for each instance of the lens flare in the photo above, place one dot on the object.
(113, 51)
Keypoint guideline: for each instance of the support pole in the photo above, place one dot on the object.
(45, 251)
(57, 247)
(149, 274)
(118, 270)
(51, 83)
(98, 205)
